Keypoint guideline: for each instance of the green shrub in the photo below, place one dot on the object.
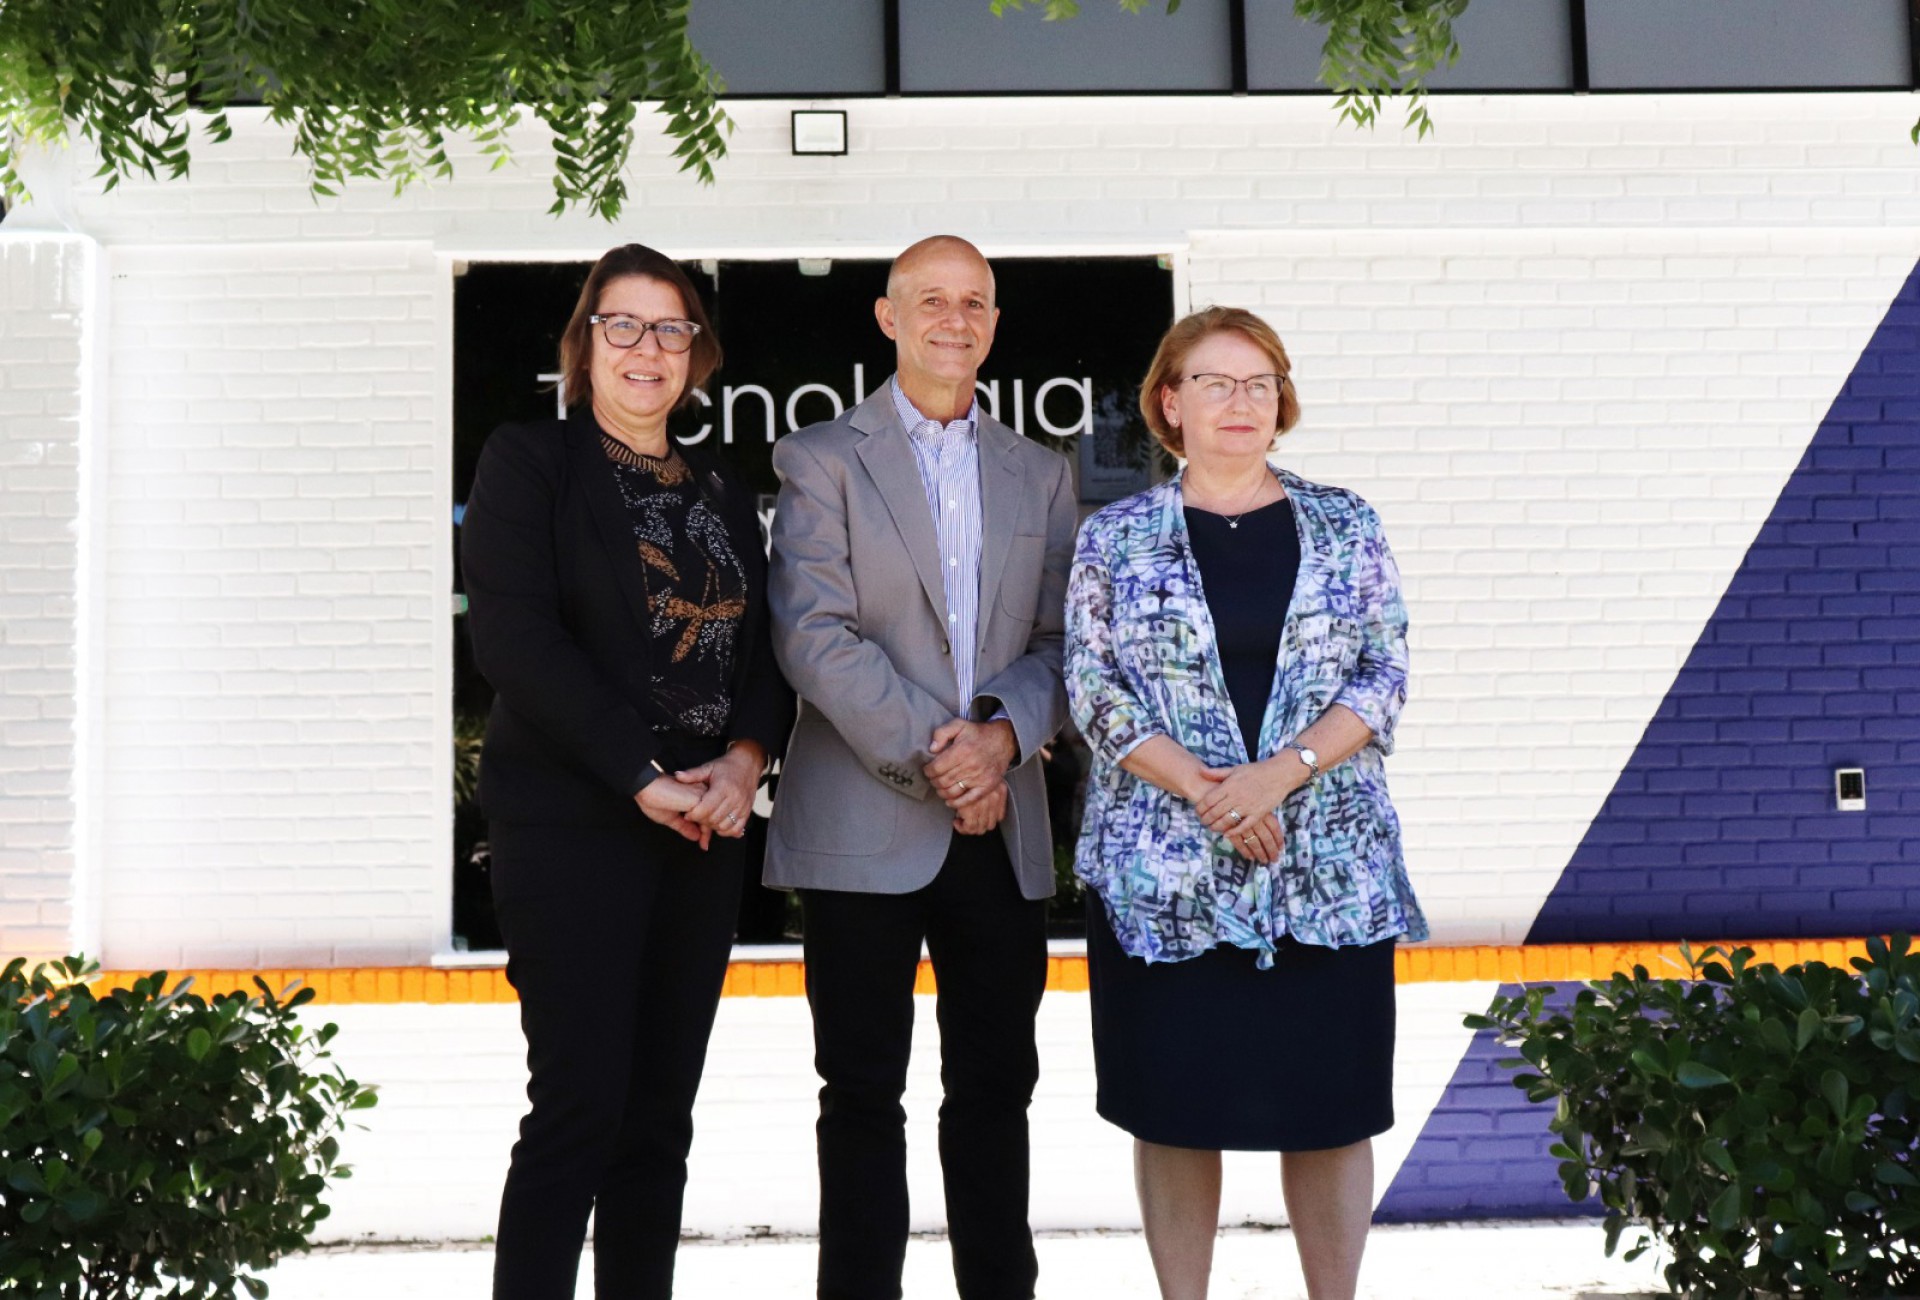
(1760, 1122)
(154, 1141)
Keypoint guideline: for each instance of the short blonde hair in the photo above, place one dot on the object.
(1170, 359)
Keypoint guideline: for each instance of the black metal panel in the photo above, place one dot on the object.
(1237, 31)
(1577, 31)
(1913, 40)
(892, 37)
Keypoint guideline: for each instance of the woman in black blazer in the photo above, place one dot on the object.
(617, 603)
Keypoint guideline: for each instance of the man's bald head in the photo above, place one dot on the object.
(934, 248)
(940, 315)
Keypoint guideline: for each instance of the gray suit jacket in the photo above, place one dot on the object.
(859, 628)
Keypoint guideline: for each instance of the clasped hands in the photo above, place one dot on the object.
(714, 798)
(969, 771)
(1239, 802)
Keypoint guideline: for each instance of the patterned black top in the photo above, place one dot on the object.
(696, 587)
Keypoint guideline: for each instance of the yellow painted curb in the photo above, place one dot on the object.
(1509, 964)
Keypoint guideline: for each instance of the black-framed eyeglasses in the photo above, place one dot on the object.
(624, 332)
(1262, 390)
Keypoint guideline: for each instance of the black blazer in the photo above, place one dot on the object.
(556, 611)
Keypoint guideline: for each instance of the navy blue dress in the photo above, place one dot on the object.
(1212, 1053)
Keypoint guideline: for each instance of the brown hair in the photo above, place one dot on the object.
(1170, 358)
(576, 341)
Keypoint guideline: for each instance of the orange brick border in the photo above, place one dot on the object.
(1510, 964)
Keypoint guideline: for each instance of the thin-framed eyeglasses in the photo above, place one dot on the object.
(1262, 390)
(624, 332)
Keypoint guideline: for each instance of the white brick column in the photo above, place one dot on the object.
(46, 317)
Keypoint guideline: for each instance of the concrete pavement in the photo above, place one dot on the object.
(1470, 1261)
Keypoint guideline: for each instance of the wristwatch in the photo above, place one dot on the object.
(1311, 759)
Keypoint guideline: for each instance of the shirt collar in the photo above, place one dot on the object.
(911, 416)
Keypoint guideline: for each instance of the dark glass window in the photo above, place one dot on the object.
(1654, 44)
(958, 46)
(777, 47)
(1504, 45)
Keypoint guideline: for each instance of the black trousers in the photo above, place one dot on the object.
(617, 941)
(989, 952)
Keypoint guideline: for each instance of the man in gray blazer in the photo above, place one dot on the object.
(919, 569)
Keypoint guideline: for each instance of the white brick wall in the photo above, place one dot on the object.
(276, 555)
(1041, 174)
(45, 318)
(1569, 347)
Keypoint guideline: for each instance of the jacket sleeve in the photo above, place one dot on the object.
(764, 710)
(520, 643)
(1030, 688)
(887, 720)
(1110, 715)
(1377, 687)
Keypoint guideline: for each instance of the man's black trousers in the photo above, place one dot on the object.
(989, 953)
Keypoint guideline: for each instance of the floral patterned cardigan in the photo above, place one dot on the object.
(1141, 661)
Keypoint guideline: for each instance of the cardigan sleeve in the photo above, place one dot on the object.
(1377, 687)
(1113, 718)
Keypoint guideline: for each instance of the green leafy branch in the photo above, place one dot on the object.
(1374, 48)
(371, 88)
(1377, 48)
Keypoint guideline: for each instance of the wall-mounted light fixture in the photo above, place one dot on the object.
(1850, 789)
(819, 131)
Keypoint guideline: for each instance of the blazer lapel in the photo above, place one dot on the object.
(609, 514)
(889, 463)
(1001, 479)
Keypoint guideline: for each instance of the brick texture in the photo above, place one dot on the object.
(275, 578)
(45, 316)
(1724, 821)
(1483, 1151)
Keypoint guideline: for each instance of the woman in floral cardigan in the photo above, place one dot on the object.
(1236, 657)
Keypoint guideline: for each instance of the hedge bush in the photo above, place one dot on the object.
(1761, 1123)
(155, 1142)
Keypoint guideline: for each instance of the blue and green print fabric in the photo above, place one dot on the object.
(1142, 661)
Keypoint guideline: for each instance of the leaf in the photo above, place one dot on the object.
(1807, 1028)
(1894, 1175)
(199, 1043)
(1648, 1062)
(1724, 1212)
(1833, 1086)
(1693, 1074)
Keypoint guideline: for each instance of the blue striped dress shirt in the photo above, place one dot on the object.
(948, 456)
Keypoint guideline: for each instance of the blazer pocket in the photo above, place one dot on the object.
(1020, 580)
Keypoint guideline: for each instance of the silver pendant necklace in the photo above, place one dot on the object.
(1233, 521)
